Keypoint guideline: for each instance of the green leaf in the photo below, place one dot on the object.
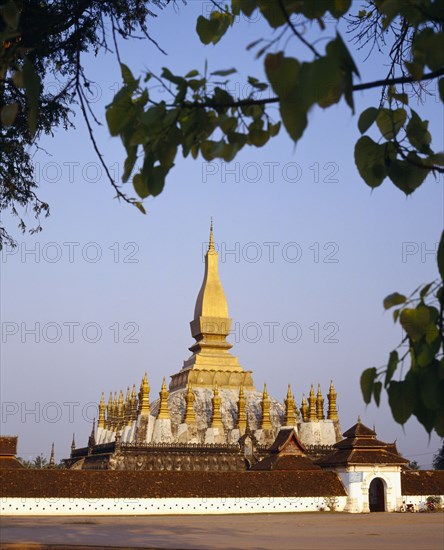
(140, 186)
(8, 114)
(401, 97)
(440, 256)
(394, 300)
(428, 48)
(130, 161)
(140, 207)
(402, 399)
(367, 383)
(391, 367)
(439, 422)
(415, 321)
(248, 6)
(390, 121)
(406, 175)
(340, 7)
(418, 134)
(127, 75)
(370, 161)
(425, 290)
(377, 387)
(294, 117)
(211, 30)
(416, 70)
(367, 118)
(283, 74)
(224, 72)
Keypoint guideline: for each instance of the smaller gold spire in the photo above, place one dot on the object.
(109, 412)
(290, 416)
(144, 396)
(102, 408)
(216, 420)
(127, 407)
(120, 411)
(163, 405)
(241, 411)
(134, 403)
(190, 417)
(320, 404)
(304, 408)
(266, 421)
(312, 416)
(332, 413)
(115, 412)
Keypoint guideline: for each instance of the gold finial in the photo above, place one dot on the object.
(163, 405)
(359, 419)
(332, 413)
(211, 245)
(102, 407)
(241, 411)
(266, 421)
(190, 417)
(312, 416)
(320, 404)
(290, 416)
(216, 420)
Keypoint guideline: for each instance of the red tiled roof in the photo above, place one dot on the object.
(150, 484)
(422, 482)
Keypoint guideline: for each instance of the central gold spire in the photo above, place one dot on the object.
(211, 362)
(211, 301)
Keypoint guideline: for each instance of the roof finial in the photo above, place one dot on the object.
(211, 245)
(359, 419)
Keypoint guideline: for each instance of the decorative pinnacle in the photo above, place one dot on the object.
(163, 405)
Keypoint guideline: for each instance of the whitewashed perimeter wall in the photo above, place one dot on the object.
(162, 506)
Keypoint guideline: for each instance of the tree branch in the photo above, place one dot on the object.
(355, 88)
(295, 31)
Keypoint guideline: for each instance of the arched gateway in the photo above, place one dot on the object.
(376, 495)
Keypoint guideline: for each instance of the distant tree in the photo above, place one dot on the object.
(413, 465)
(438, 459)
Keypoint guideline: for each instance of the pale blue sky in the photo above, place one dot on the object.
(314, 199)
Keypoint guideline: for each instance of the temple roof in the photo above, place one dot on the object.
(360, 446)
(286, 453)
